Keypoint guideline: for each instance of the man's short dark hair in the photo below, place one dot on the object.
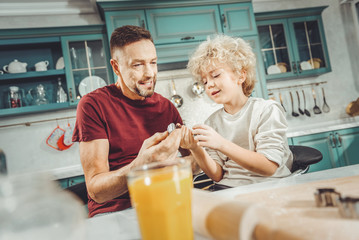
(127, 34)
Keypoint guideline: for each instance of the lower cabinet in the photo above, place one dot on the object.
(339, 148)
(68, 182)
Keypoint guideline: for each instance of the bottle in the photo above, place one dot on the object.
(61, 95)
(14, 97)
(41, 95)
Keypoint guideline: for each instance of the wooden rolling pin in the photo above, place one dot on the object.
(287, 213)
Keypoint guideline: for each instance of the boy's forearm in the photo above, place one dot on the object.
(207, 164)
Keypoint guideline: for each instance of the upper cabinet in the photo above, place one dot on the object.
(50, 69)
(293, 43)
(196, 23)
(88, 67)
(177, 31)
(238, 19)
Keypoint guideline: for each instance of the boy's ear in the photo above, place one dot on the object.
(242, 76)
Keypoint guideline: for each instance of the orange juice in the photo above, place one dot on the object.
(162, 200)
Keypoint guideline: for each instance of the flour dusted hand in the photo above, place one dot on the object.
(207, 137)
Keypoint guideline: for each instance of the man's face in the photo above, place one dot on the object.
(137, 64)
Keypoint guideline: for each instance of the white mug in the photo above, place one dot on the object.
(41, 66)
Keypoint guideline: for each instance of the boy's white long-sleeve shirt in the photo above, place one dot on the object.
(259, 126)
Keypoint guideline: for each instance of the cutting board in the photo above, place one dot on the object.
(293, 213)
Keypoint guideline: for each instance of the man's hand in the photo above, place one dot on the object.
(159, 147)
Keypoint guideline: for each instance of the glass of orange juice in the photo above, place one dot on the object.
(161, 194)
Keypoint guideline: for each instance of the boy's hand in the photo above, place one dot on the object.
(207, 137)
(187, 140)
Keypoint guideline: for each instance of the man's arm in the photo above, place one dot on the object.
(103, 184)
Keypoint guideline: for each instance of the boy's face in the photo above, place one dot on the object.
(222, 84)
(137, 68)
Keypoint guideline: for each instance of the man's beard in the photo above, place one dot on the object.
(145, 92)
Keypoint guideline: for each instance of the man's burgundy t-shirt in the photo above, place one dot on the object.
(107, 114)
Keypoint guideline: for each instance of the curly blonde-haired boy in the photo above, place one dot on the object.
(245, 141)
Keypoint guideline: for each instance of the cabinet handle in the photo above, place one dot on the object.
(299, 67)
(332, 140)
(337, 136)
(294, 67)
(187, 38)
(70, 94)
(224, 20)
(143, 24)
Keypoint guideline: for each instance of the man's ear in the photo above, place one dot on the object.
(115, 66)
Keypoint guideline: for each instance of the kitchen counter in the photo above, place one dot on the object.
(296, 130)
(123, 224)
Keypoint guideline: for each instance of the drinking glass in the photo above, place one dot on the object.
(161, 194)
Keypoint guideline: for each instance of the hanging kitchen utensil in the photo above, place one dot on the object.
(281, 101)
(294, 114)
(54, 137)
(177, 100)
(68, 135)
(325, 107)
(197, 89)
(305, 109)
(299, 109)
(316, 109)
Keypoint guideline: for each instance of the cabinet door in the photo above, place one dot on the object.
(238, 19)
(75, 180)
(115, 19)
(309, 45)
(88, 61)
(183, 24)
(347, 141)
(275, 45)
(324, 143)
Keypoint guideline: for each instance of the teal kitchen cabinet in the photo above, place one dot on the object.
(22, 88)
(25, 89)
(178, 30)
(293, 43)
(238, 19)
(183, 24)
(115, 19)
(68, 182)
(339, 148)
(88, 65)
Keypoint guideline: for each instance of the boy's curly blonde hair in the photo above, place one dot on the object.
(235, 52)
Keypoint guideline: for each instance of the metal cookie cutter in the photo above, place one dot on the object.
(172, 127)
(326, 197)
(348, 207)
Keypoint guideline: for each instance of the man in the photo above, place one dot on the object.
(123, 125)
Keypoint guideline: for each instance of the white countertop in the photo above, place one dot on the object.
(123, 224)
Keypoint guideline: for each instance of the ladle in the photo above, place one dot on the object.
(294, 114)
(177, 100)
(326, 107)
(299, 109)
(197, 88)
(305, 109)
(316, 109)
(281, 101)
